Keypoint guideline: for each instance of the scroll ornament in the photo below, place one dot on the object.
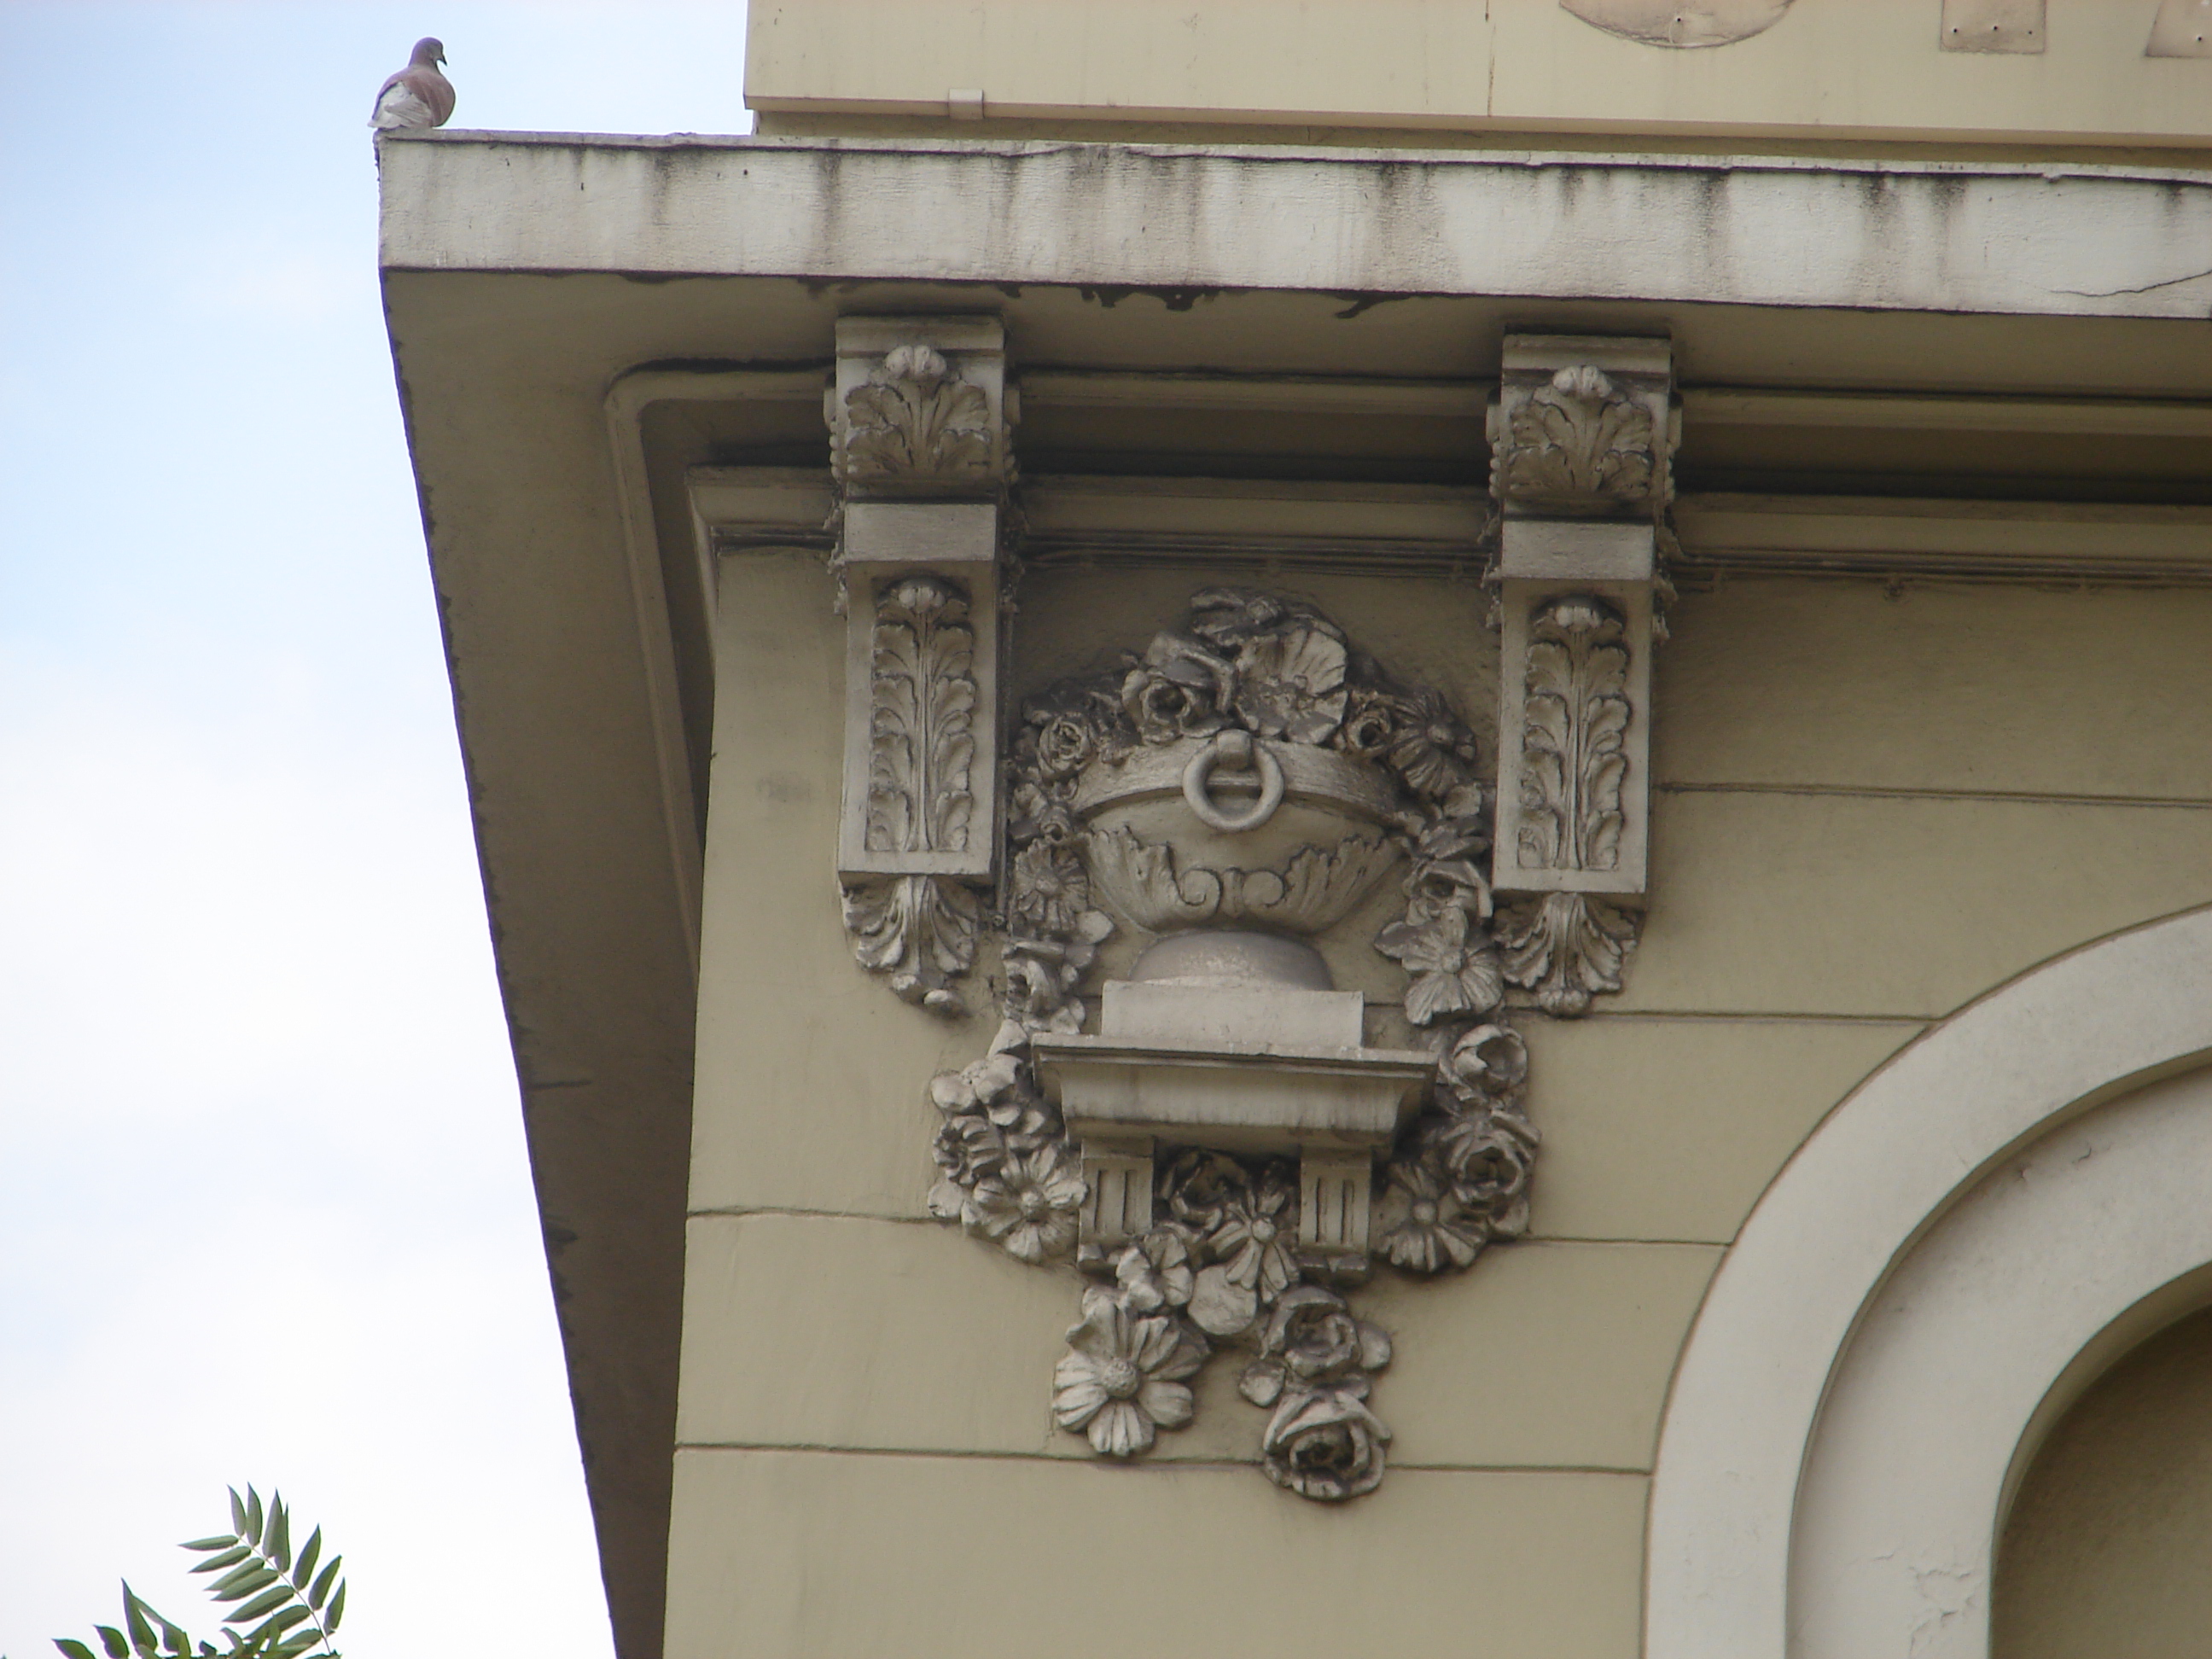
(1223, 1264)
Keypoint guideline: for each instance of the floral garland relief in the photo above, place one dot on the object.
(1223, 1264)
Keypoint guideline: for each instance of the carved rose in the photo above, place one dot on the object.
(1123, 1377)
(1434, 751)
(1427, 1229)
(1180, 689)
(1311, 1338)
(1197, 1187)
(1453, 969)
(1487, 1154)
(1370, 724)
(1437, 885)
(1325, 1444)
(1487, 1062)
(1028, 1204)
(1064, 745)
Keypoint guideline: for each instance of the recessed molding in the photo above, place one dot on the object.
(1404, 397)
(1426, 530)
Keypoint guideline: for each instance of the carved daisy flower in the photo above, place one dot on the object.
(1051, 889)
(1154, 1272)
(1453, 970)
(1028, 1204)
(1256, 1236)
(1432, 1231)
(1123, 1377)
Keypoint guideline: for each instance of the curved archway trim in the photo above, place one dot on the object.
(1890, 1160)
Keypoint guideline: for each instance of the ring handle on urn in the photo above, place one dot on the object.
(1236, 747)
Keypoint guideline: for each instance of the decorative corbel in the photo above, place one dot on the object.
(1582, 437)
(918, 425)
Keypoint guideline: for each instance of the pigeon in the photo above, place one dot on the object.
(418, 96)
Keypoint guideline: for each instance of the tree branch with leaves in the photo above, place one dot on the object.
(283, 1605)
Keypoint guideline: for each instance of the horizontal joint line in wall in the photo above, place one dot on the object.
(740, 1211)
(1078, 1461)
(2005, 797)
(1754, 1016)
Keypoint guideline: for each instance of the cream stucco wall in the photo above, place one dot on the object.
(1871, 808)
(1835, 69)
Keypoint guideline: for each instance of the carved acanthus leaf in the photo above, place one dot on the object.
(919, 929)
(1576, 714)
(922, 719)
(917, 419)
(1565, 947)
(1575, 439)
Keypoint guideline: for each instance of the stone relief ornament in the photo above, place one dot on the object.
(1576, 438)
(915, 418)
(917, 931)
(1236, 789)
(1576, 710)
(921, 719)
(1582, 437)
(1676, 24)
(917, 430)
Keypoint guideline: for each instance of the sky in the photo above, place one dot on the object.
(264, 1209)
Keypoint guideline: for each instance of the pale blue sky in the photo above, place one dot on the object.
(264, 1209)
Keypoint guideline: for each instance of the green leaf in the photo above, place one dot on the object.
(229, 1558)
(253, 1516)
(337, 1610)
(112, 1639)
(303, 1569)
(321, 1592)
(134, 1619)
(204, 1545)
(73, 1648)
(260, 1605)
(244, 1583)
(280, 1621)
(279, 1542)
(237, 1513)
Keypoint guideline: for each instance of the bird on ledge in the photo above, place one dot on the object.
(418, 96)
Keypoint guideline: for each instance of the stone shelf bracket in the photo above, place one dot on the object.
(920, 460)
(1582, 437)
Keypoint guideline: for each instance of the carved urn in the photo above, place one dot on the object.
(1239, 825)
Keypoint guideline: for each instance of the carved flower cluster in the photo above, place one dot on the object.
(1225, 1265)
(1461, 1177)
(1006, 1173)
(1281, 671)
